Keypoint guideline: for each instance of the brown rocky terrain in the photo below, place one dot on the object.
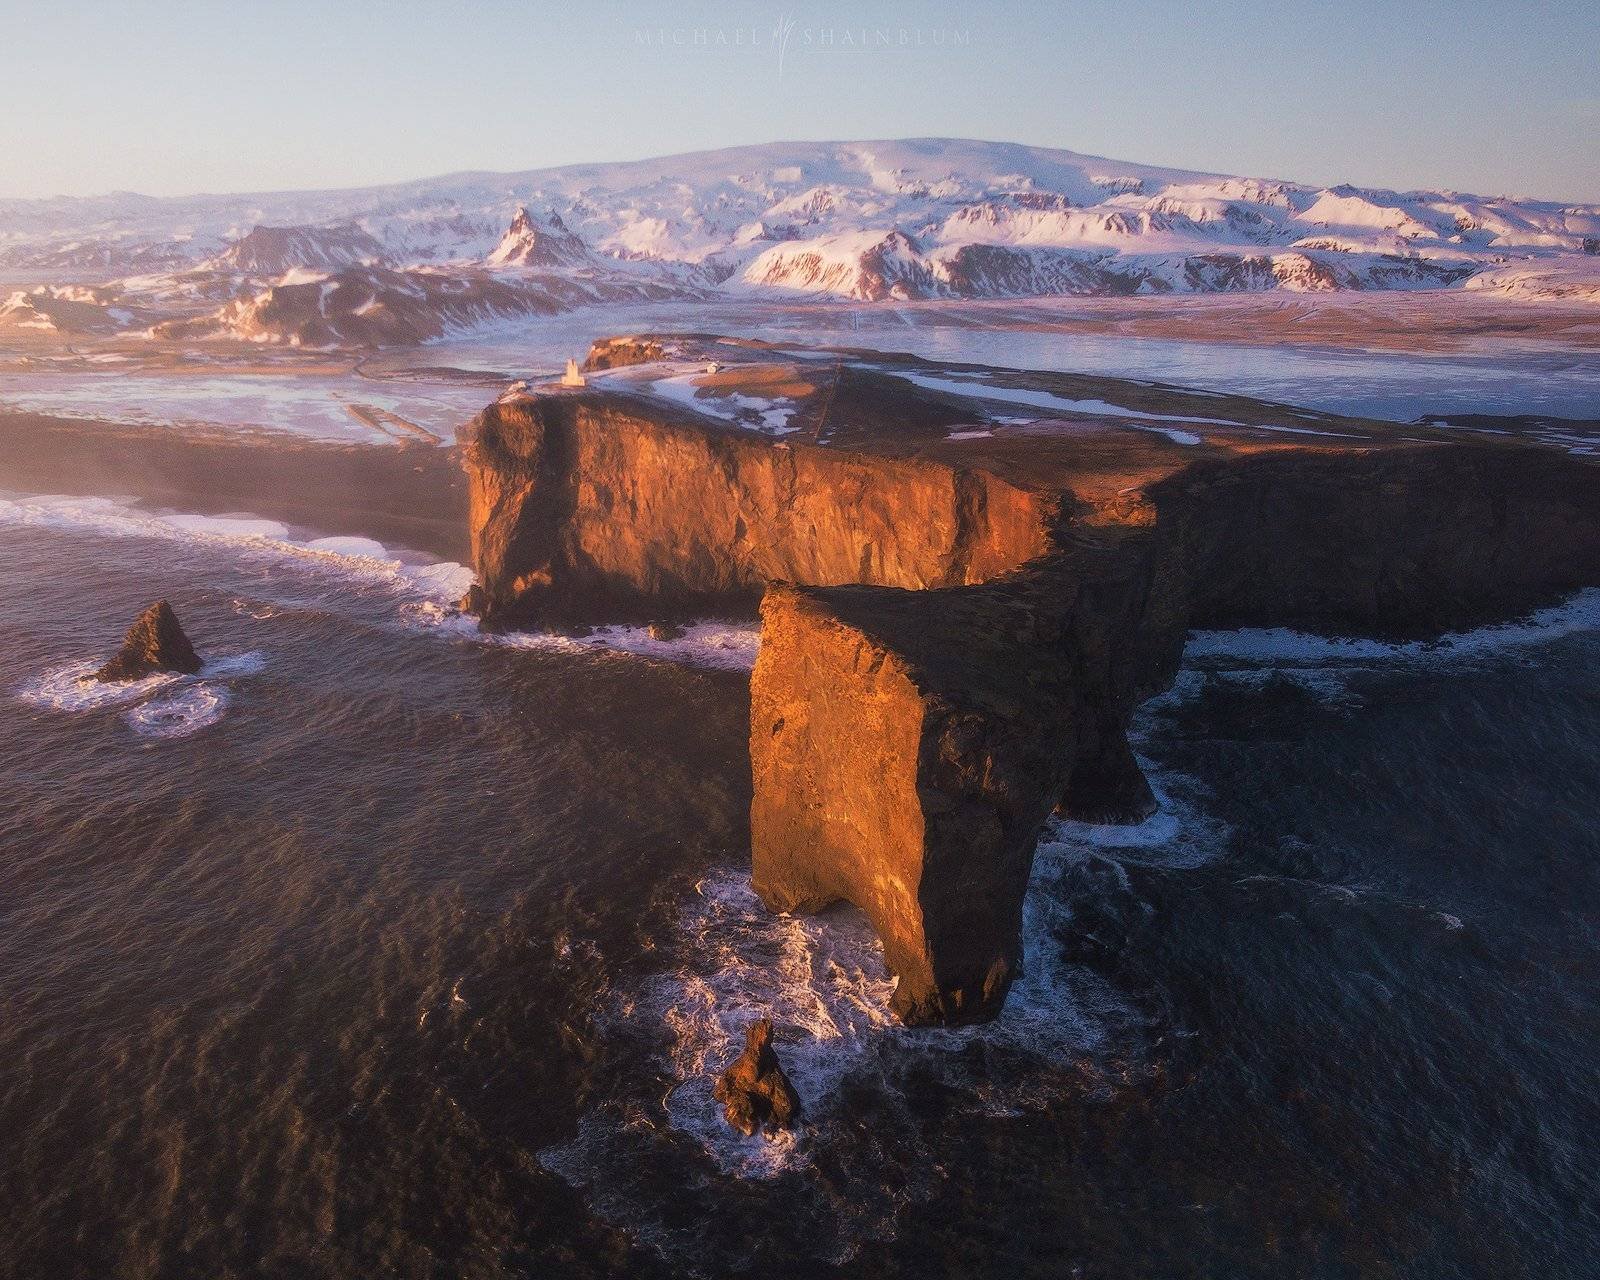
(971, 577)
(550, 474)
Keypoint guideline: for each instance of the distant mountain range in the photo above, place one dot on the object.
(869, 221)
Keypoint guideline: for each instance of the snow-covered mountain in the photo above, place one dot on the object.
(270, 251)
(921, 218)
(544, 242)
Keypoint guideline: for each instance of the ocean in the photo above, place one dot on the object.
(386, 948)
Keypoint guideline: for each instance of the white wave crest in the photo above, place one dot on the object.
(74, 688)
(727, 646)
(363, 558)
(165, 704)
(1581, 612)
(822, 981)
(716, 644)
(177, 714)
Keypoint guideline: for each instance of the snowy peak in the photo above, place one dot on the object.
(868, 266)
(530, 242)
(869, 221)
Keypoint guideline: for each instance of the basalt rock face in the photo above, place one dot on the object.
(1106, 786)
(596, 501)
(907, 746)
(155, 642)
(958, 623)
(1403, 542)
(754, 1092)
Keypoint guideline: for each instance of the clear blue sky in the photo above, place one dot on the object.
(171, 96)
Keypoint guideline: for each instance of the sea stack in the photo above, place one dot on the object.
(754, 1091)
(962, 607)
(155, 642)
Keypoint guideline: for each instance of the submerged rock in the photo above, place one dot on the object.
(754, 1091)
(155, 642)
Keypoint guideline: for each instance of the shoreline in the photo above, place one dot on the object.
(409, 494)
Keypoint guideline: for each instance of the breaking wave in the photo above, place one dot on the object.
(1066, 1029)
(74, 688)
(1296, 649)
(712, 643)
(727, 646)
(178, 714)
(163, 705)
(427, 589)
(415, 576)
(822, 979)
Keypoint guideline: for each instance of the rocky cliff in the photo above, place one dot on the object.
(605, 500)
(971, 578)
(907, 746)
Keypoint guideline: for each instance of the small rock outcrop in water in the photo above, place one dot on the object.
(155, 642)
(753, 1091)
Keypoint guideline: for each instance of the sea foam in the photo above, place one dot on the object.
(165, 704)
(178, 713)
(1280, 645)
(727, 646)
(824, 982)
(427, 591)
(414, 576)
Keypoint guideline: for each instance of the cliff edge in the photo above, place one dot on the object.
(969, 577)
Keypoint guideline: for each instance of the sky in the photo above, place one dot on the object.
(172, 97)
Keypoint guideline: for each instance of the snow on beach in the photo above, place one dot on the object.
(316, 406)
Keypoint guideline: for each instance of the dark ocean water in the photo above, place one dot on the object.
(381, 951)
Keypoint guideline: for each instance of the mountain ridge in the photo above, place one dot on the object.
(893, 220)
(10, 203)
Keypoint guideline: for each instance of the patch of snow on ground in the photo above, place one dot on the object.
(1171, 433)
(774, 414)
(680, 383)
(979, 390)
(1303, 431)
